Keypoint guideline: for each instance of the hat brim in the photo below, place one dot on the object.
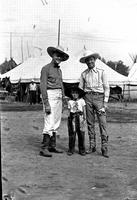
(80, 92)
(94, 55)
(52, 50)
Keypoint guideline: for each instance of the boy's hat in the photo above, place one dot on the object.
(75, 88)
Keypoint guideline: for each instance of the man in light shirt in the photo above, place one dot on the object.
(95, 85)
(32, 92)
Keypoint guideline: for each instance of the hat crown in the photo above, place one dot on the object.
(87, 53)
(60, 48)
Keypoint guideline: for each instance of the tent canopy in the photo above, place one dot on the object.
(28, 70)
(133, 75)
(71, 71)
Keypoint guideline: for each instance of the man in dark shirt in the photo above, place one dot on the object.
(52, 91)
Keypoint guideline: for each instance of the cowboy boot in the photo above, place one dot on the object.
(52, 144)
(92, 145)
(104, 148)
(44, 149)
(105, 152)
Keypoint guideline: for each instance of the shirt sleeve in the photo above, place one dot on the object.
(43, 84)
(106, 87)
(84, 103)
(62, 86)
(81, 82)
(69, 105)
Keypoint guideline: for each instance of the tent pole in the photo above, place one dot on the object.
(28, 49)
(22, 49)
(59, 33)
(10, 44)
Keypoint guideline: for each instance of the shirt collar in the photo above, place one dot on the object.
(54, 65)
(94, 70)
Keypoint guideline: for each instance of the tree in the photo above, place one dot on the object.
(7, 65)
(103, 60)
(133, 57)
(119, 67)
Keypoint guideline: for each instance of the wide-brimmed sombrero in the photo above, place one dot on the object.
(52, 50)
(89, 54)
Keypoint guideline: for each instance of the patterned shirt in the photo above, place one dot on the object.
(95, 80)
(77, 105)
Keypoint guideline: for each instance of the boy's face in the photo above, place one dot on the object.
(75, 95)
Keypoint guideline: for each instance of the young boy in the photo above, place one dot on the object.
(76, 121)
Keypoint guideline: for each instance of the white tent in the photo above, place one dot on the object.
(71, 71)
(133, 75)
(132, 87)
(28, 70)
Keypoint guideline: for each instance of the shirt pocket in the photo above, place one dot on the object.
(52, 79)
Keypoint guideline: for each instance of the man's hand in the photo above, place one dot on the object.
(64, 103)
(103, 109)
(105, 105)
(47, 108)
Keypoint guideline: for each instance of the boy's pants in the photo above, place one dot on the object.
(73, 129)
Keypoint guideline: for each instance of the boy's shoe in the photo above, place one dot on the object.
(69, 153)
(82, 153)
(91, 150)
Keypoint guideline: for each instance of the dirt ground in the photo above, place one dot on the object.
(28, 176)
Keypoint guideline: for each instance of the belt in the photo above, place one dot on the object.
(94, 93)
(54, 88)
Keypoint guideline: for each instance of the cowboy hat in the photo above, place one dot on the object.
(89, 54)
(74, 88)
(52, 50)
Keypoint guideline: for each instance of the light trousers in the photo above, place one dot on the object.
(52, 120)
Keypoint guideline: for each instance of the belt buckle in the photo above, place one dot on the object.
(94, 93)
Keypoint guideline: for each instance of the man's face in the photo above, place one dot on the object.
(57, 58)
(90, 62)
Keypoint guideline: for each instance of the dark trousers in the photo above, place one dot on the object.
(73, 129)
(32, 97)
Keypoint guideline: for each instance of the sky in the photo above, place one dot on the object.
(106, 26)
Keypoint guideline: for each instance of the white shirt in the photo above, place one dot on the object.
(74, 106)
(95, 80)
(33, 87)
